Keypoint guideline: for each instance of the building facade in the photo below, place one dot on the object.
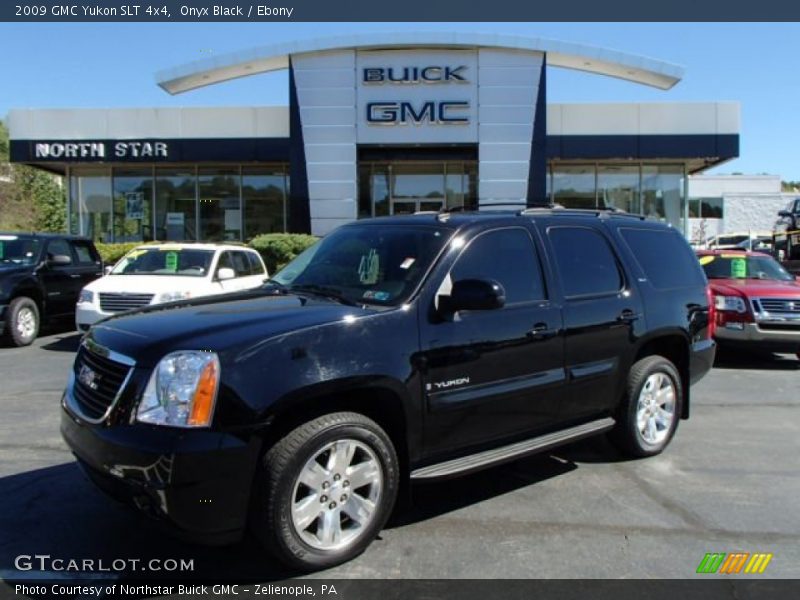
(377, 125)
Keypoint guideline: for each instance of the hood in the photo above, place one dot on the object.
(147, 284)
(756, 288)
(214, 324)
(11, 268)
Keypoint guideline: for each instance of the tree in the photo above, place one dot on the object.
(30, 199)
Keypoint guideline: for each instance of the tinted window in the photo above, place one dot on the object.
(585, 261)
(21, 251)
(225, 261)
(58, 248)
(240, 264)
(507, 256)
(84, 252)
(665, 257)
(256, 268)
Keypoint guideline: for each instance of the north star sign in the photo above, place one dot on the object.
(406, 112)
(99, 150)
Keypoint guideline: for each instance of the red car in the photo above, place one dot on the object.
(757, 301)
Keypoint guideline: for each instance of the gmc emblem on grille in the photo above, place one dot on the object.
(87, 377)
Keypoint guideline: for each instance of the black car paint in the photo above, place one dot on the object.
(457, 387)
(55, 289)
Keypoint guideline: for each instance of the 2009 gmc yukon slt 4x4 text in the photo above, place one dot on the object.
(395, 349)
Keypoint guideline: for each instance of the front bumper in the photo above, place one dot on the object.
(196, 482)
(87, 315)
(779, 336)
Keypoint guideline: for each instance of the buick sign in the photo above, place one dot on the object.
(380, 75)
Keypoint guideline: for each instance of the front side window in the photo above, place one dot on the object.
(506, 256)
(240, 264)
(165, 261)
(366, 264)
(585, 261)
(58, 248)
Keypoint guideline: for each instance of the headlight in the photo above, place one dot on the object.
(731, 303)
(86, 297)
(182, 390)
(172, 296)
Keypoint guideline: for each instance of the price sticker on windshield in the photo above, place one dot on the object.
(738, 268)
(171, 261)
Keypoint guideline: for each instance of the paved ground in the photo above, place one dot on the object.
(729, 482)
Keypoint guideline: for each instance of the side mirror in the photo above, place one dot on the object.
(59, 260)
(107, 269)
(784, 213)
(225, 273)
(474, 294)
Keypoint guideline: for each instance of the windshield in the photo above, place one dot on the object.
(184, 262)
(18, 251)
(366, 264)
(740, 266)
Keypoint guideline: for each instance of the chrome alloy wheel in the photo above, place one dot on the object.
(26, 322)
(655, 410)
(336, 494)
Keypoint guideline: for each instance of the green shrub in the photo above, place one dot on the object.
(111, 253)
(277, 249)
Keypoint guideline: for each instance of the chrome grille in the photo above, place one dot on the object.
(98, 382)
(789, 306)
(112, 302)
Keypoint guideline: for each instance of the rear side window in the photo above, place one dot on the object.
(666, 259)
(585, 261)
(240, 264)
(256, 268)
(507, 256)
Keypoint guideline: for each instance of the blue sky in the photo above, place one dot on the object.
(113, 65)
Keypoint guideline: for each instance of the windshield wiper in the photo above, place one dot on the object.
(323, 291)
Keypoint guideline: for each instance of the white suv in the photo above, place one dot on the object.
(153, 274)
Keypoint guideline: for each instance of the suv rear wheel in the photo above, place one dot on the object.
(22, 321)
(325, 490)
(651, 409)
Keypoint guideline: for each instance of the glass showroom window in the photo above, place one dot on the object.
(461, 185)
(264, 192)
(618, 187)
(133, 205)
(574, 186)
(90, 203)
(220, 204)
(176, 210)
(417, 186)
(373, 190)
(662, 193)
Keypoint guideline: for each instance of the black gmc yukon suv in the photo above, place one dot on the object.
(395, 349)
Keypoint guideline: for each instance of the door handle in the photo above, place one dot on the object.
(74, 275)
(627, 316)
(541, 331)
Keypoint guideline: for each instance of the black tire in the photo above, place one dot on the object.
(21, 307)
(627, 435)
(277, 488)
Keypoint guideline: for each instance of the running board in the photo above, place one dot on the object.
(496, 456)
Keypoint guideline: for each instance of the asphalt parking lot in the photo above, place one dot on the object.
(729, 482)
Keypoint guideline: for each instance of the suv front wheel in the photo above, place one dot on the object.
(651, 408)
(22, 321)
(325, 491)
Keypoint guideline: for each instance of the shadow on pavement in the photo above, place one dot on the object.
(744, 359)
(66, 343)
(56, 511)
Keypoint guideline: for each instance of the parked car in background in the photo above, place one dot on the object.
(158, 273)
(734, 240)
(41, 276)
(757, 301)
(762, 243)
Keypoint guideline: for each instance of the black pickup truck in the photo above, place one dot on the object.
(394, 350)
(41, 276)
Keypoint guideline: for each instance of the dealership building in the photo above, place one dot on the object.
(377, 124)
